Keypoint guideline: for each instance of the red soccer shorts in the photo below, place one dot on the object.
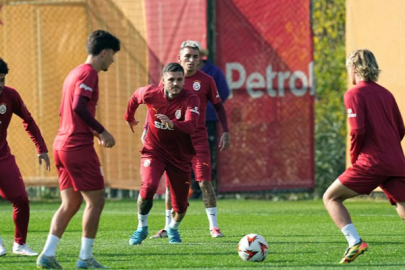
(80, 169)
(152, 169)
(202, 162)
(361, 181)
(11, 181)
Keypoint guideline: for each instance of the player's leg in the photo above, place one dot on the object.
(71, 201)
(152, 170)
(168, 213)
(179, 184)
(394, 189)
(401, 210)
(12, 188)
(202, 170)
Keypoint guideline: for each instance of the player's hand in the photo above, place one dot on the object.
(95, 133)
(106, 139)
(44, 156)
(165, 120)
(225, 141)
(132, 124)
(145, 131)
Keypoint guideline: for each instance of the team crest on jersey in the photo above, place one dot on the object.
(3, 108)
(197, 85)
(178, 114)
(146, 163)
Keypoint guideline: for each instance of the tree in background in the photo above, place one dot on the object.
(328, 24)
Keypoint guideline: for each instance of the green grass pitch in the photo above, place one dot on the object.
(300, 234)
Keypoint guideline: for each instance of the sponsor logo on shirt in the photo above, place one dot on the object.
(146, 163)
(195, 110)
(197, 85)
(160, 125)
(350, 113)
(3, 108)
(86, 88)
(178, 114)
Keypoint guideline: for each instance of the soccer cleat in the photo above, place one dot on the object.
(160, 234)
(89, 264)
(353, 252)
(23, 250)
(174, 236)
(138, 236)
(215, 233)
(48, 262)
(2, 249)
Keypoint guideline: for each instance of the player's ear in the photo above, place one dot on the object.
(178, 58)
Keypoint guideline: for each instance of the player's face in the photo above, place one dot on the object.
(2, 81)
(189, 59)
(173, 83)
(108, 58)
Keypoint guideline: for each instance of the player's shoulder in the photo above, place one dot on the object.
(11, 92)
(190, 95)
(203, 76)
(84, 70)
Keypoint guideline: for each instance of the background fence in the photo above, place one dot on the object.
(264, 47)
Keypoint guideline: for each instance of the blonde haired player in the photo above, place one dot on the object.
(376, 131)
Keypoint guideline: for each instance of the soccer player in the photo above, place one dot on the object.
(12, 187)
(80, 174)
(172, 116)
(376, 155)
(204, 86)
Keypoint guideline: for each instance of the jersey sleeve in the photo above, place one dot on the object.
(29, 124)
(356, 115)
(136, 99)
(190, 123)
(86, 84)
(213, 95)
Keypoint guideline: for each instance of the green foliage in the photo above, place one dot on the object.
(328, 24)
(300, 234)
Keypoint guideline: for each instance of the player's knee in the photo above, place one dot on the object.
(180, 207)
(20, 201)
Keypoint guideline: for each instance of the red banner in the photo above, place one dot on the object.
(265, 49)
(169, 23)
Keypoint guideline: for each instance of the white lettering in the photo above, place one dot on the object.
(85, 87)
(160, 125)
(242, 76)
(257, 85)
(255, 80)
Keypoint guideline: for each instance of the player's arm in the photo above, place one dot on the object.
(399, 120)
(33, 131)
(225, 140)
(190, 123)
(355, 113)
(145, 128)
(135, 100)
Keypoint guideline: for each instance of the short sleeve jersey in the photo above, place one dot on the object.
(205, 88)
(73, 133)
(11, 103)
(173, 145)
(373, 113)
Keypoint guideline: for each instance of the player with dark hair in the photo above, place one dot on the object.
(172, 116)
(79, 169)
(12, 187)
(204, 86)
(376, 130)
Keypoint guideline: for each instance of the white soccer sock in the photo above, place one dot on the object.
(50, 245)
(168, 218)
(352, 237)
(142, 220)
(174, 225)
(86, 250)
(212, 215)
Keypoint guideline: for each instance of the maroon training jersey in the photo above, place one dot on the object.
(173, 145)
(73, 133)
(204, 86)
(377, 129)
(11, 102)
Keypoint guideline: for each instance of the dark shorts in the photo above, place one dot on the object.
(11, 182)
(152, 169)
(362, 181)
(201, 162)
(79, 169)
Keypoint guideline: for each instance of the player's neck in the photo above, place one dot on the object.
(190, 73)
(92, 61)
